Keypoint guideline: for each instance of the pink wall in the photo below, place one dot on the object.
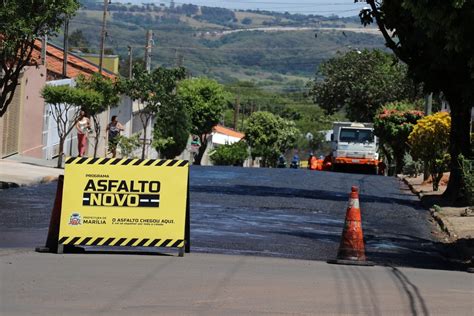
(31, 121)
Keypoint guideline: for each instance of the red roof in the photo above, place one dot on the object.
(227, 131)
(75, 64)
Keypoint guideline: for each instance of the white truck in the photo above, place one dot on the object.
(354, 145)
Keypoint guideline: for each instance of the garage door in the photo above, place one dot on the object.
(11, 125)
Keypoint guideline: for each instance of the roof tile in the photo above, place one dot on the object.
(76, 64)
(227, 131)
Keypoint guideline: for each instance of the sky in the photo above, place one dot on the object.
(341, 8)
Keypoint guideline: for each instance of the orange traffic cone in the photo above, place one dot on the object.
(53, 231)
(352, 248)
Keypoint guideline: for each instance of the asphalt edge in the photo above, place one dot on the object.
(40, 180)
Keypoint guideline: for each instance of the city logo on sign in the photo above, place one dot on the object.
(75, 219)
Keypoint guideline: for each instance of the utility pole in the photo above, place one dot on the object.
(130, 61)
(236, 111)
(102, 36)
(66, 46)
(149, 41)
(428, 110)
(178, 58)
(242, 117)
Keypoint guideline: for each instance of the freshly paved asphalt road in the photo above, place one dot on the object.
(209, 284)
(268, 212)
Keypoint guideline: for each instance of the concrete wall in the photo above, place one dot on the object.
(31, 119)
(31, 109)
(110, 62)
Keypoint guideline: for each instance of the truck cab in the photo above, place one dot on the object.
(354, 145)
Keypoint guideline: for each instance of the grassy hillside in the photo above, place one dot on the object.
(282, 60)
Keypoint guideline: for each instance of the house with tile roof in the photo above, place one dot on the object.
(24, 128)
(76, 65)
(219, 136)
(222, 135)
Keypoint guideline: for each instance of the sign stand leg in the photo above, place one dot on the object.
(181, 252)
(60, 249)
(187, 225)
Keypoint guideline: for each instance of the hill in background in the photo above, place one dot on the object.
(279, 51)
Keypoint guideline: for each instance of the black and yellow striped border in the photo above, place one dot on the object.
(122, 242)
(126, 162)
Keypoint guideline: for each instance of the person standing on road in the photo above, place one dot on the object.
(312, 162)
(281, 162)
(295, 163)
(113, 129)
(83, 127)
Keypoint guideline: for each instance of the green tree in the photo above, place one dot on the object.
(435, 41)
(360, 83)
(269, 135)
(153, 91)
(230, 155)
(78, 41)
(392, 124)
(311, 123)
(171, 134)
(467, 167)
(65, 104)
(429, 141)
(206, 101)
(128, 145)
(22, 22)
(108, 90)
(246, 21)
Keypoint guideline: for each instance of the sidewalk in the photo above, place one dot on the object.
(22, 171)
(207, 284)
(456, 222)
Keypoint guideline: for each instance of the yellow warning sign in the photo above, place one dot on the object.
(124, 202)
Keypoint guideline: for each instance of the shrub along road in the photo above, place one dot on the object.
(269, 212)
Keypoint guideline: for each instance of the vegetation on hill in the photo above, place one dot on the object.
(201, 40)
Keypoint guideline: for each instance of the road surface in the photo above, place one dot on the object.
(284, 213)
(208, 284)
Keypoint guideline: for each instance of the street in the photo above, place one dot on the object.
(284, 213)
(208, 284)
(247, 228)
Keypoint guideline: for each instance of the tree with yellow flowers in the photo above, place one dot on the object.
(429, 141)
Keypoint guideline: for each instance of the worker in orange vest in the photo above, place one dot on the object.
(312, 162)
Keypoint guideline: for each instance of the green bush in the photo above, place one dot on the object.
(411, 167)
(429, 142)
(467, 167)
(230, 155)
(128, 145)
(392, 124)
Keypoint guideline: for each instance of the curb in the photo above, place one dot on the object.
(8, 185)
(411, 187)
(42, 180)
(463, 249)
(442, 222)
(434, 210)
